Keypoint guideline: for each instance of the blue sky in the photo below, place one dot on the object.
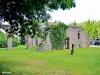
(84, 10)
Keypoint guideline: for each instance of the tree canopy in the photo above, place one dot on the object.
(17, 12)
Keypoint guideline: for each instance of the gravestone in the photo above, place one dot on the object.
(72, 51)
(9, 41)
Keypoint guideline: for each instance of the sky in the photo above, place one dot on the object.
(84, 10)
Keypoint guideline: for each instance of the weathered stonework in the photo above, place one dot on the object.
(33, 42)
(77, 36)
(29, 42)
(45, 45)
(9, 42)
(38, 41)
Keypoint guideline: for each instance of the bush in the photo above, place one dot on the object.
(3, 41)
(15, 42)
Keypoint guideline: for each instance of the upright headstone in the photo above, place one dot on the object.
(72, 51)
(29, 42)
(9, 42)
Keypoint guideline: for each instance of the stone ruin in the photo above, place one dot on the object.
(75, 35)
(45, 45)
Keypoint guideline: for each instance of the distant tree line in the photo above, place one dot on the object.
(91, 27)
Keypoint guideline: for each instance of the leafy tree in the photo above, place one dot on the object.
(91, 27)
(73, 23)
(25, 14)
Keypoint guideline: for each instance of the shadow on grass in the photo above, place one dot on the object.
(4, 70)
(9, 68)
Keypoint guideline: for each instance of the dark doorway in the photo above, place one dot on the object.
(68, 42)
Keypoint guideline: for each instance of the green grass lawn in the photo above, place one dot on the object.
(20, 61)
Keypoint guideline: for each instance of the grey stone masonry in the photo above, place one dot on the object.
(33, 42)
(77, 36)
(9, 42)
(45, 45)
(29, 42)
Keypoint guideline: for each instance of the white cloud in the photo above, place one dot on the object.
(84, 10)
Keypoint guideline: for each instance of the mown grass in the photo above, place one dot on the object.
(20, 61)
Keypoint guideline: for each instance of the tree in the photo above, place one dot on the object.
(17, 11)
(91, 27)
(24, 15)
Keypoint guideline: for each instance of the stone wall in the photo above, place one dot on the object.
(85, 41)
(29, 42)
(76, 36)
(9, 42)
(72, 34)
(45, 45)
(32, 41)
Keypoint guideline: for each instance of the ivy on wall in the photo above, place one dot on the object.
(58, 35)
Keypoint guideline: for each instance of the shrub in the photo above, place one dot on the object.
(15, 42)
(3, 41)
